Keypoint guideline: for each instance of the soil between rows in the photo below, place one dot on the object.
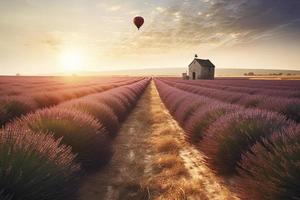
(152, 161)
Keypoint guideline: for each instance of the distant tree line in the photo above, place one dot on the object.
(270, 74)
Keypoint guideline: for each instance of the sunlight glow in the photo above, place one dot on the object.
(71, 60)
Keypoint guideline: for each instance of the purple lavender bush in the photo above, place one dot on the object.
(233, 134)
(271, 169)
(174, 103)
(128, 95)
(81, 131)
(287, 107)
(187, 108)
(101, 112)
(34, 166)
(13, 107)
(47, 100)
(115, 104)
(251, 101)
(200, 121)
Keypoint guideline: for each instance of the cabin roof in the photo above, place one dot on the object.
(204, 62)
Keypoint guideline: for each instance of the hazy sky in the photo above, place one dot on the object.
(45, 36)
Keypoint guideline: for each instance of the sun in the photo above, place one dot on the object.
(71, 60)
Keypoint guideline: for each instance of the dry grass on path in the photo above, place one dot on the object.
(122, 177)
(179, 169)
(152, 161)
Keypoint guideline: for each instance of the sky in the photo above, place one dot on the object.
(50, 36)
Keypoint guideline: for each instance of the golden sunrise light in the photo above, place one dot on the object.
(172, 33)
(149, 99)
(71, 60)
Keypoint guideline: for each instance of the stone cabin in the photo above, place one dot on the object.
(201, 69)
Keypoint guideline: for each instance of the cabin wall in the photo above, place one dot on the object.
(207, 73)
(194, 67)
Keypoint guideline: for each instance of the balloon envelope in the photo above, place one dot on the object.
(138, 21)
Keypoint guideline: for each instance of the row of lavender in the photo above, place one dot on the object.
(291, 85)
(281, 91)
(271, 84)
(15, 86)
(44, 154)
(289, 107)
(15, 106)
(259, 148)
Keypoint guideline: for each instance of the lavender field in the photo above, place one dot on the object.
(60, 138)
(55, 130)
(248, 130)
(149, 100)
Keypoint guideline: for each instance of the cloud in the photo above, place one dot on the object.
(160, 9)
(55, 40)
(195, 23)
(109, 7)
(255, 16)
(52, 40)
(114, 8)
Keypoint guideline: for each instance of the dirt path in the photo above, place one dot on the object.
(121, 178)
(153, 161)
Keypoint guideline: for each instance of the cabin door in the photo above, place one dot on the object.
(194, 75)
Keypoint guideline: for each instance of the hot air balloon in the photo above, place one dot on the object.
(138, 21)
